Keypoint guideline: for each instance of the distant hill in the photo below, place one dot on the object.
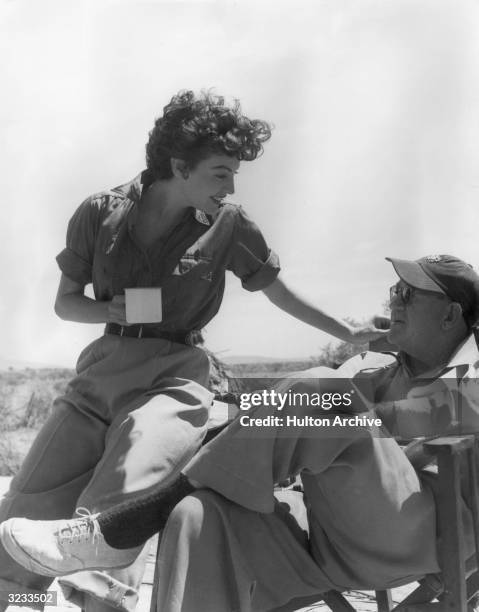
(244, 359)
(17, 364)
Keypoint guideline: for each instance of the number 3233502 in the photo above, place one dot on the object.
(49, 598)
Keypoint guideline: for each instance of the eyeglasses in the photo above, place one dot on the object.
(404, 292)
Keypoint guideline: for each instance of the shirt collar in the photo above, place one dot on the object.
(133, 190)
(429, 374)
(465, 354)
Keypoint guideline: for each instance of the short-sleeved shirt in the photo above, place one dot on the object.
(444, 401)
(189, 265)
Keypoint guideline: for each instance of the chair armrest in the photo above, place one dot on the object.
(449, 445)
(457, 461)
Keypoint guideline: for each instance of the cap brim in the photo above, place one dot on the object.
(412, 274)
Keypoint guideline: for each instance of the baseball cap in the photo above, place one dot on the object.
(444, 274)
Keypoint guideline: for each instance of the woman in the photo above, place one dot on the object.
(137, 410)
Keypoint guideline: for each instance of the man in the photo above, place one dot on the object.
(229, 546)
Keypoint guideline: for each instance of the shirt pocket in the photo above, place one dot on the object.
(194, 267)
(188, 286)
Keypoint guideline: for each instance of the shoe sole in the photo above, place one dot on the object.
(25, 560)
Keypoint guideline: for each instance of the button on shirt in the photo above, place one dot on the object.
(190, 265)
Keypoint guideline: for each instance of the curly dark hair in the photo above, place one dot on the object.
(195, 127)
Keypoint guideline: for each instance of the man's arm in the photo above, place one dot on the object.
(443, 407)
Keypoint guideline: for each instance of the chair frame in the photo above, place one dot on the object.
(458, 585)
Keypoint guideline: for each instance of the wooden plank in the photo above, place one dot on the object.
(472, 455)
(429, 607)
(451, 529)
(384, 601)
(337, 602)
(449, 444)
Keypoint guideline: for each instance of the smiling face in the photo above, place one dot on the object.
(209, 182)
(416, 317)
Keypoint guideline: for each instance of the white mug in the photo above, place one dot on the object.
(143, 305)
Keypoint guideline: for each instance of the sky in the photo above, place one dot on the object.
(374, 153)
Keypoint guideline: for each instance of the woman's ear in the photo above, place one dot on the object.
(179, 168)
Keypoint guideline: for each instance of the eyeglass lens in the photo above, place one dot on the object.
(401, 291)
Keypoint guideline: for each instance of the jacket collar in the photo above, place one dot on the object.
(465, 354)
(133, 190)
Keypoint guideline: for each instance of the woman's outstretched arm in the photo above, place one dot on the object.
(289, 301)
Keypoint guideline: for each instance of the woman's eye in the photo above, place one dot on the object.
(221, 176)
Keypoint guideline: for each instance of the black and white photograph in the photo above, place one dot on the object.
(239, 358)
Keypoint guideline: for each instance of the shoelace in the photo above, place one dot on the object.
(81, 529)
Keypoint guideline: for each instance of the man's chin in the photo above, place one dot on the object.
(394, 336)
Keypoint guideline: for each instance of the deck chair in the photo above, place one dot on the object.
(456, 588)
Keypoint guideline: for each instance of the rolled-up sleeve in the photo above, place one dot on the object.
(76, 259)
(439, 408)
(251, 259)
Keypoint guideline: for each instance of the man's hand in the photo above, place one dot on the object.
(117, 310)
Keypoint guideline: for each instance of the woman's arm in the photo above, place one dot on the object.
(286, 299)
(72, 304)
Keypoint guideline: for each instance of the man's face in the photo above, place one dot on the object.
(416, 317)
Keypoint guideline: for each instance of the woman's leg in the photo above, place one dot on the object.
(150, 445)
(159, 421)
(59, 465)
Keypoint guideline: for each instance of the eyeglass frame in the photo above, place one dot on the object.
(405, 292)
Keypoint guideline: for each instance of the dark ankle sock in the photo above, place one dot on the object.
(131, 523)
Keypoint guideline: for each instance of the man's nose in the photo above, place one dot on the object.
(397, 308)
(395, 299)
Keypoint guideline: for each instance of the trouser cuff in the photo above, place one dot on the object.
(101, 587)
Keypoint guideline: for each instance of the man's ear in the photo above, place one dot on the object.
(453, 315)
(179, 168)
